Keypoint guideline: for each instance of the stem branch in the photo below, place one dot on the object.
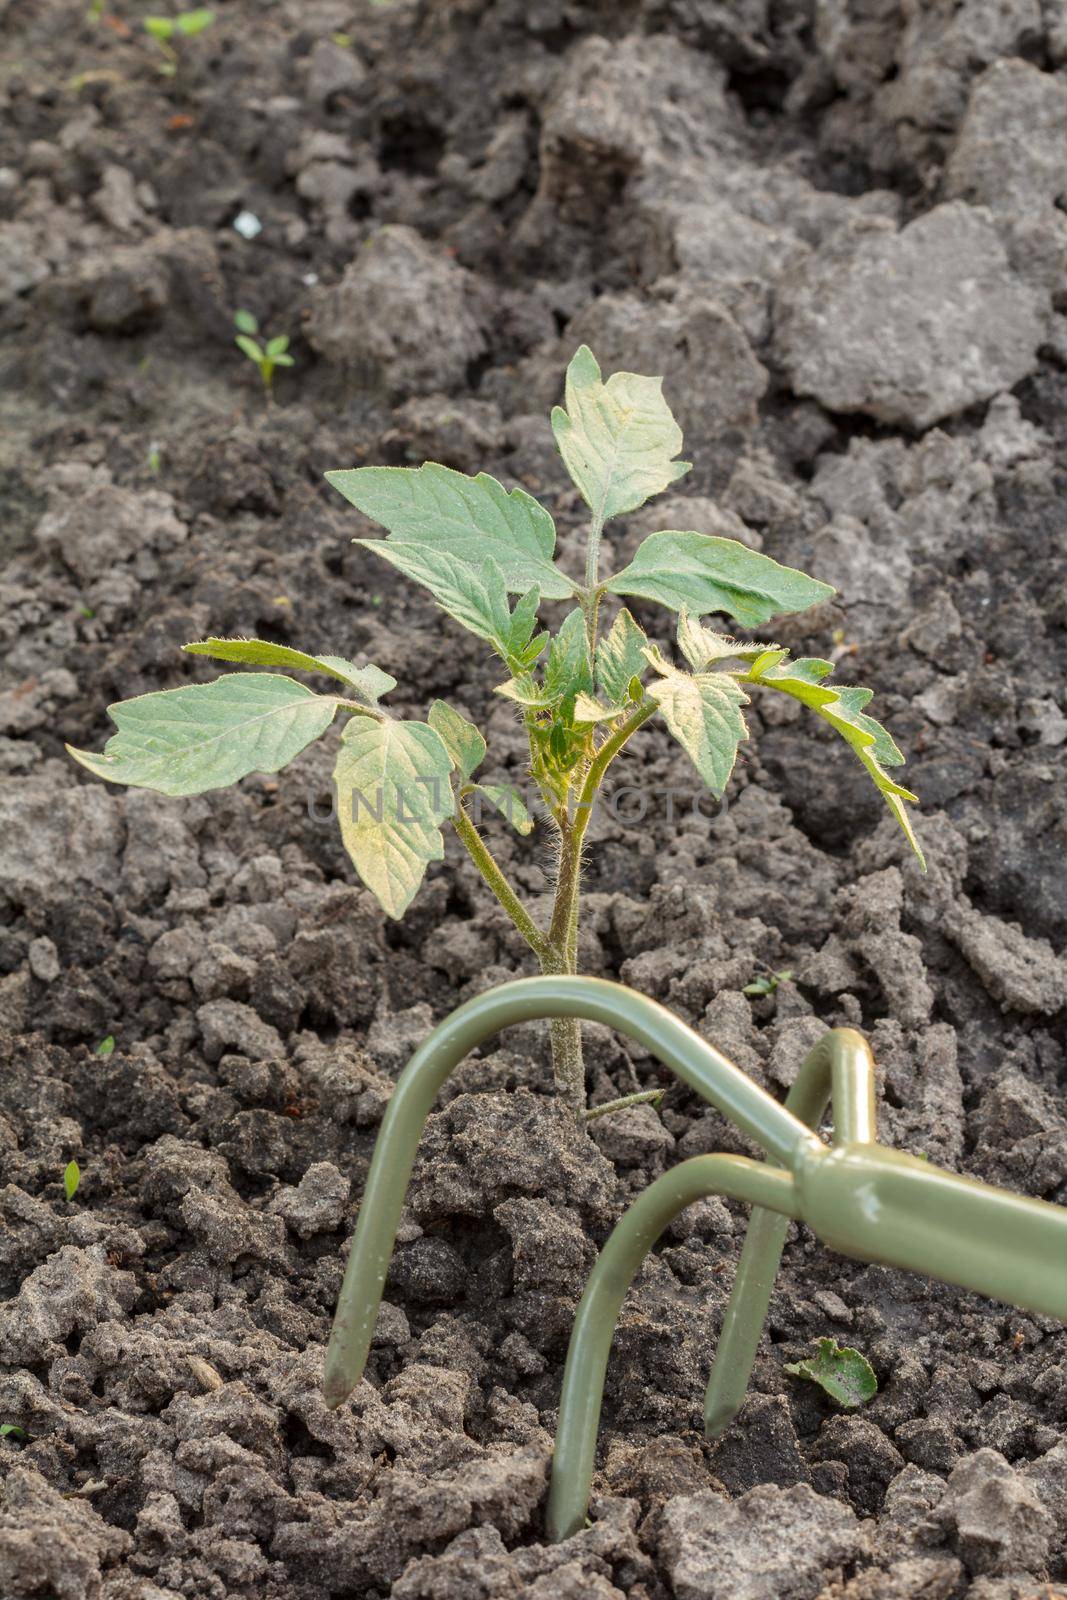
(601, 762)
(645, 1097)
(483, 860)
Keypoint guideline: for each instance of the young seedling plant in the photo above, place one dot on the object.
(183, 26)
(273, 353)
(582, 691)
(766, 983)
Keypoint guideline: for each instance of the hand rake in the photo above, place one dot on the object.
(857, 1196)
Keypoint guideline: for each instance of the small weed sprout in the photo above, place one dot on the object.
(767, 985)
(274, 353)
(165, 29)
(580, 691)
(844, 1374)
(72, 1176)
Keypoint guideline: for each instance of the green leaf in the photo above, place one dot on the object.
(71, 1178)
(530, 652)
(283, 361)
(475, 597)
(369, 682)
(520, 646)
(460, 738)
(704, 573)
(701, 647)
(245, 322)
(525, 691)
(509, 802)
(159, 27)
(435, 508)
(568, 668)
(568, 676)
(620, 657)
(617, 439)
(193, 22)
(842, 708)
(106, 1047)
(277, 347)
(208, 735)
(11, 1430)
(847, 1376)
(587, 709)
(250, 348)
(393, 791)
(703, 711)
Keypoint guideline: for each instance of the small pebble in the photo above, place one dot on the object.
(44, 960)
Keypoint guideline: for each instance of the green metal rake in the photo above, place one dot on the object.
(857, 1196)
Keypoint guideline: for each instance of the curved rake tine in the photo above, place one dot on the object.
(628, 1245)
(839, 1070)
(716, 1079)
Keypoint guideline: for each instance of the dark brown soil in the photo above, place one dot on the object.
(452, 197)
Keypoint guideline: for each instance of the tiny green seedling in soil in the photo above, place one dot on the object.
(72, 1176)
(164, 30)
(581, 690)
(767, 985)
(273, 353)
(106, 1046)
(11, 1430)
(845, 1374)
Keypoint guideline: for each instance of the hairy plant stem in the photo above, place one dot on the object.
(600, 763)
(561, 957)
(592, 551)
(589, 600)
(557, 950)
(483, 860)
